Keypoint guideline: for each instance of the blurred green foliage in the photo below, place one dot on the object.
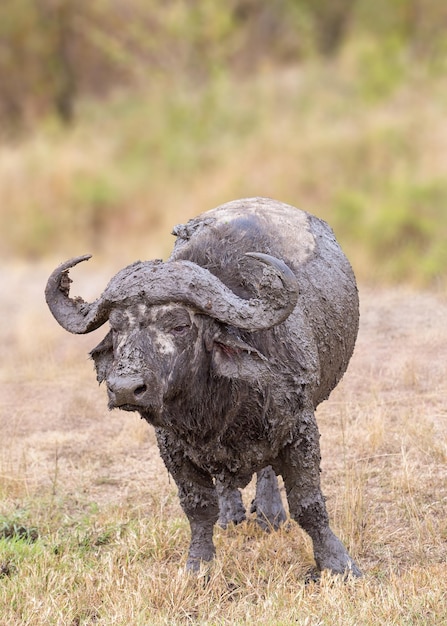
(168, 109)
(404, 236)
(53, 52)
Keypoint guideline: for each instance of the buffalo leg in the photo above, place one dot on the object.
(198, 498)
(231, 507)
(301, 473)
(267, 503)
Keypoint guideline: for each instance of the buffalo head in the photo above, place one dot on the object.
(163, 318)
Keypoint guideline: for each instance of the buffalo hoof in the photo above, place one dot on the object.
(330, 554)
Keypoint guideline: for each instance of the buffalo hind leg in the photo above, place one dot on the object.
(198, 498)
(267, 504)
(300, 468)
(231, 507)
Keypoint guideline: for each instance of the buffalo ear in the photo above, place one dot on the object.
(234, 358)
(102, 356)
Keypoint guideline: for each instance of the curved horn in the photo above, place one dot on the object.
(189, 283)
(177, 281)
(74, 315)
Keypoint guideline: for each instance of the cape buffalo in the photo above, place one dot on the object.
(226, 349)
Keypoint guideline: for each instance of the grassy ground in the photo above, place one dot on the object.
(90, 528)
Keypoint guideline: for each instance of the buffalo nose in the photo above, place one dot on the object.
(130, 390)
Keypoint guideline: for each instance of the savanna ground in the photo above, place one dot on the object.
(91, 529)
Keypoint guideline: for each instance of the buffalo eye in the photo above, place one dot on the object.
(180, 329)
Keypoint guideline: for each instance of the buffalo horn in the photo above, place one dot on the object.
(178, 281)
(73, 314)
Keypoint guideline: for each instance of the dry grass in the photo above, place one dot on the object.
(112, 540)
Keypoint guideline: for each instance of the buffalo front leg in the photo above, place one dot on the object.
(300, 468)
(198, 498)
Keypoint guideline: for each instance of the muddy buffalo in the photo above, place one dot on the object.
(226, 349)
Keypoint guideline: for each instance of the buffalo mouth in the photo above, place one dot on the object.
(125, 407)
(147, 413)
